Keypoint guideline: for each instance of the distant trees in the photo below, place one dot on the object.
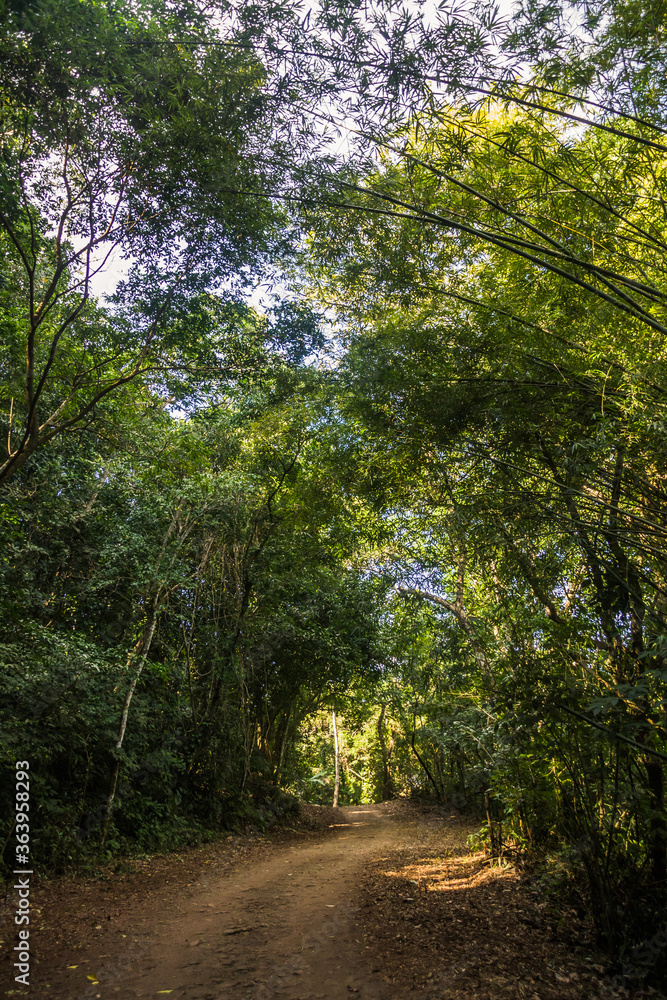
(171, 611)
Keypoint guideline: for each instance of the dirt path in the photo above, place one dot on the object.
(284, 928)
(389, 905)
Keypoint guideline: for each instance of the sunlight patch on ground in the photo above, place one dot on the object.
(449, 874)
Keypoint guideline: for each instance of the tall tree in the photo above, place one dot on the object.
(128, 132)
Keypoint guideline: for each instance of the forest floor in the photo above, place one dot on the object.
(387, 904)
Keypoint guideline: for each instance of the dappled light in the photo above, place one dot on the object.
(451, 875)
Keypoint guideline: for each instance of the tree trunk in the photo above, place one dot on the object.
(424, 765)
(658, 835)
(145, 648)
(494, 819)
(388, 791)
(283, 748)
(336, 761)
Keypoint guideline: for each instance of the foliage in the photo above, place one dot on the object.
(425, 489)
(498, 273)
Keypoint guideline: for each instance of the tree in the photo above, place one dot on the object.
(500, 280)
(137, 140)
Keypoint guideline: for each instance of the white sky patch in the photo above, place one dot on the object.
(105, 281)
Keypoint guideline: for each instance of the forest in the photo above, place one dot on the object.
(334, 426)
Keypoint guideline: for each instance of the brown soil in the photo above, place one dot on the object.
(388, 904)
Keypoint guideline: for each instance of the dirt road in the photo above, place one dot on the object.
(388, 905)
(284, 929)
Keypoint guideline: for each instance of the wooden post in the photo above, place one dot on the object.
(337, 783)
